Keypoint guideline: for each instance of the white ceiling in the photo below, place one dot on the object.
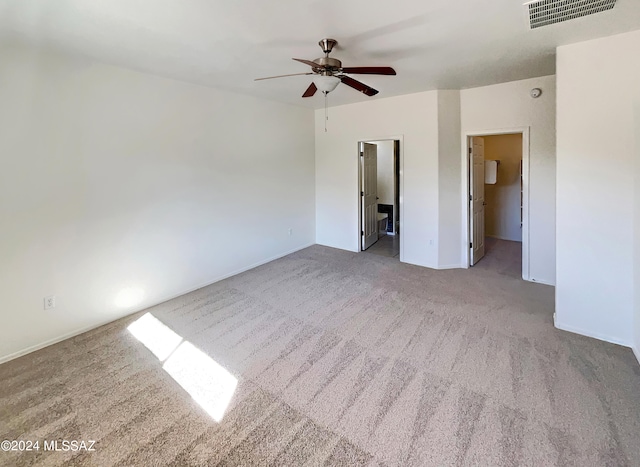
(432, 44)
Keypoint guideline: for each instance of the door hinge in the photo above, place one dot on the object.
(470, 150)
(362, 193)
(470, 198)
(362, 233)
(362, 154)
(470, 245)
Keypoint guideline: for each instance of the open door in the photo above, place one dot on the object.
(369, 195)
(476, 197)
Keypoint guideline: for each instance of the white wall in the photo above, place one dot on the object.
(113, 179)
(414, 118)
(449, 180)
(506, 106)
(502, 213)
(597, 87)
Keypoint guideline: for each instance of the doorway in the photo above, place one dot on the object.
(379, 208)
(497, 193)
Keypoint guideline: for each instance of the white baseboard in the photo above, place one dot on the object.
(594, 335)
(77, 332)
(541, 281)
(55, 340)
(636, 352)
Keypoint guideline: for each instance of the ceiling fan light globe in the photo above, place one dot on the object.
(326, 83)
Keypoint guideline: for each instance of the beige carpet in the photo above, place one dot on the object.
(502, 256)
(387, 245)
(341, 359)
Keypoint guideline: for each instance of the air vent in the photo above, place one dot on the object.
(546, 12)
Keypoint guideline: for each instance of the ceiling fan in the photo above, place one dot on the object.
(330, 72)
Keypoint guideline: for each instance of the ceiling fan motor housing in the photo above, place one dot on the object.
(327, 64)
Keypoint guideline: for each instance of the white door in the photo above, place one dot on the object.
(369, 194)
(476, 197)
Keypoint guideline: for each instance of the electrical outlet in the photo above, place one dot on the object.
(49, 302)
(290, 232)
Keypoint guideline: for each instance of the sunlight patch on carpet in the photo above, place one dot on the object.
(206, 381)
(155, 336)
(210, 385)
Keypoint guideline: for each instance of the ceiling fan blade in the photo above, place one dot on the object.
(370, 70)
(308, 62)
(311, 90)
(357, 85)
(282, 76)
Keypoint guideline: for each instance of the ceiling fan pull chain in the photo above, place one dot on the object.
(326, 110)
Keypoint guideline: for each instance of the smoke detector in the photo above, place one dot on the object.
(546, 12)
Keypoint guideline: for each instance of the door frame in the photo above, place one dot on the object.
(466, 222)
(400, 188)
